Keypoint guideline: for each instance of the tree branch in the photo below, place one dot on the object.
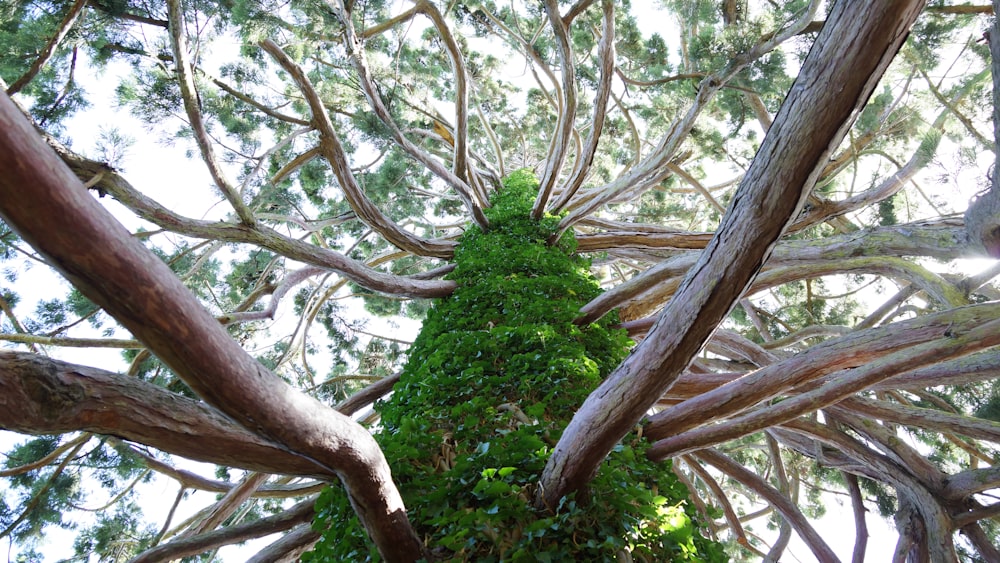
(813, 120)
(566, 97)
(334, 153)
(355, 52)
(606, 60)
(299, 514)
(782, 504)
(50, 48)
(42, 199)
(192, 106)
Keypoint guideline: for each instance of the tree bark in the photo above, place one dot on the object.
(43, 396)
(47, 205)
(982, 218)
(852, 51)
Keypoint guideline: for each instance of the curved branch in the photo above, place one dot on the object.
(971, 481)
(733, 519)
(560, 142)
(355, 51)
(254, 103)
(289, 547)
(791, 260)
(930, 419)
(51, 210)
(782, 504)
(185, 79)
(606, 62)
(191, 480)
(146, 208)
(461, 138)
(50, 48)
(334, 153)
(651, 170)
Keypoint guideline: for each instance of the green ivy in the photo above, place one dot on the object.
(492, 380)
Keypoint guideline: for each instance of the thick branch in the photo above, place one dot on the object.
(45, 203)
(811, 122)
(43, 396)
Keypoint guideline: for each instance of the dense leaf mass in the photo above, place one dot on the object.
(491, 381)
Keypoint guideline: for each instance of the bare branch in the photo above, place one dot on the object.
(150, 210)
(781, 503)
(559, 144)
(185, 79)
(289, 547)
(652, 169)
(355, 51)
(299, 514)
(50, 48)
(836, 388)
(858, 509)
(606, 58)
(334, 153)
(43, 396)
(141, 292)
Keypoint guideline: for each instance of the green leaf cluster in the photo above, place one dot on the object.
(491, 382)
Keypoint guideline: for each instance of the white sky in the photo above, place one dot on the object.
(167, 175)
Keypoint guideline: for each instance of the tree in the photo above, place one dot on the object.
(761, 190)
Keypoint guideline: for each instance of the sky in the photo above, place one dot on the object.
(168, 175)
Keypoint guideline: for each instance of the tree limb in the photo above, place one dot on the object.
(42, 199)
(812, 120)
(50, 48)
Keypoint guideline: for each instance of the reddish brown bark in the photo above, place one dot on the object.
(48, 206)
(43, 396)
(855, 47)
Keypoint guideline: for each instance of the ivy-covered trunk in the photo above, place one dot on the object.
(491, 382)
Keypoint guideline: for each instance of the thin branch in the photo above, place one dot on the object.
(606, 60)
(299, 514)
(192, 107)
(566, 96)
(50, 48)
(67, 342)
(355, 51)
(46, 460)
(39, 494)
(781, 503)
(337, 157)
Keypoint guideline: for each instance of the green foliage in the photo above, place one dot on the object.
(491, 382)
